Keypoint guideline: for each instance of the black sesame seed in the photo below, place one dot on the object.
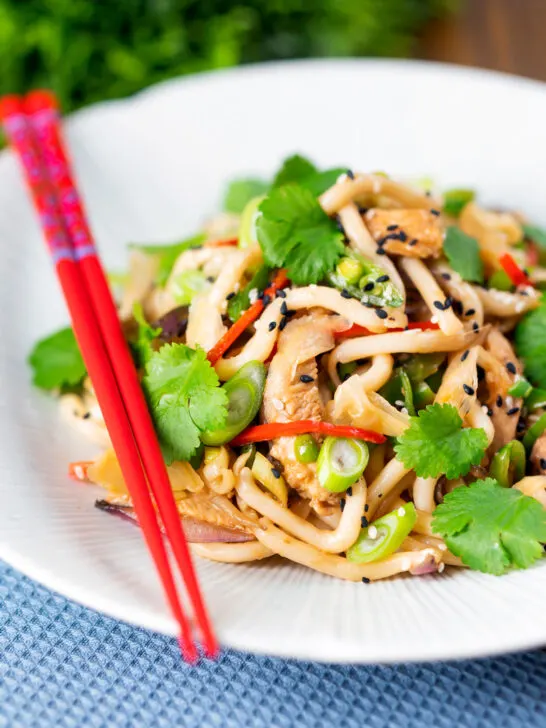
(275, 472)
(380, 495)
(306, 378)
(86, 416)
(345, 293)
(413, 242)
(475, 326)
(520, 427)
(350, 174)
(362, 210)
(382, 314)
(499, 401)
(369, 286)
(468, 389)
(402, 236)
(349, 491)
(446, 276)
(290, 312)
(367, 304)
(283, 323)
(383, 279)
(513, 411)
(366, 508)
(284, 308)
(280, 293)
(439, 305)
(342, 504)
(392, 227)
(365, 580)
(230, 296)
(363, 522)
(272, 325)
(434, 212)
(470, 312)
(340, 226)
(210, 279)
(458, 307)
(266, 300)
(481, 373)
(260, 295)
(467, 352)
(542, 463)
(381, 242)
(511, 367)
(490, 414)
(448, 303)
(380, 251)
(428, 193)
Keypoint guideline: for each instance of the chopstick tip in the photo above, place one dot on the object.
(10, 105)
(40, 99)
(188, 650)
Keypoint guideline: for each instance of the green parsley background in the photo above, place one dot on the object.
(88, 50)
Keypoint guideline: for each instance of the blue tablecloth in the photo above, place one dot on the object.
(65, 666)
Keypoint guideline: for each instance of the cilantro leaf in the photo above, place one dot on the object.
(303, 171)
(456, 199)
(531, 344)
(241, 300)
(167, 254)
(56, 361)
(184, 397)
(435, 443)
(536, 234)
(142, 346)
(295, 233)
(490, 527)
(241, 191)
(463, 253)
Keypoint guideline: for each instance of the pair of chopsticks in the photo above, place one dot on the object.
(32, 126)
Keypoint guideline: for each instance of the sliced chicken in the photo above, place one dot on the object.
(506, 409)
(413, 233)
(538, 455)
(292, 394)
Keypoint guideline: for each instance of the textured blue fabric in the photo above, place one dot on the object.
(65, 666)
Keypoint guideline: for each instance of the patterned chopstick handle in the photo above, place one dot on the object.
(42, 109)
(20, 136)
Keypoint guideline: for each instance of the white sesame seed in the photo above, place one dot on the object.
(399, 403)
(253, 295)
(509, 402)
(434, 319)
(442, 547)
(342, 177)
(441, 567)
(404, 411)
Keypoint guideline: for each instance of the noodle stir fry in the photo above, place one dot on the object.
(343, 370)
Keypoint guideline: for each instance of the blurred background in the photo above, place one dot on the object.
(88, 50)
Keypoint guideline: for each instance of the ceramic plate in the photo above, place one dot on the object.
(151, 168)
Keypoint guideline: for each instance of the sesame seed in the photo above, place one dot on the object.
(380, 495)
(448, 303)
(283, 323)
(306, 378)
(86, 415)
(469, 390)
(210, 279)
(276, 473)
(350, 174)
(521, 425)
(499, 401)
(272, 325)
(340, 226)
(394, 226)
(464, 356)
(383, 279)
(489, 412)
(475, 326)
(341, 504)
(380, 251)
(367, 304)
(458, 307)
(511, 367)
(284, 308)
(290, 312)
(365, 580)
(441, 567)
(428, 193)
(266, 300)
(366, 508)
(439, 305)
(363, 522)
(381, 313)
(349, 491)
(446, 276)
(402, 236)
(381, 242)
(345, 293)
(230, 296)
(280, 293)
(435, 212)
(470, 312)
(513, 411)
(362, 210)
(413, 242)
(434, 319)
(369, 286)
(542, 463)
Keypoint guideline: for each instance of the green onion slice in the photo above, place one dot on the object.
(384, 536)
(247, 228)
(534, 432)
(508, 464)
(306, 449)
(341, 462)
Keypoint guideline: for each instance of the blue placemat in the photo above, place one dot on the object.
(65, 666)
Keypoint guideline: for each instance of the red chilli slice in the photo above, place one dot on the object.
(518, 276)
(262, 433)
(356, 330)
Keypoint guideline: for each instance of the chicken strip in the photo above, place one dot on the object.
(413, 233)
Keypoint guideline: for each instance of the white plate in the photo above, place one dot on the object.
(151, 168)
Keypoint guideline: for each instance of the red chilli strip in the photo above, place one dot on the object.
(248, 318)
(262, 433)
(225, 242)
(518, 276)
(356, 330)
(78, 470)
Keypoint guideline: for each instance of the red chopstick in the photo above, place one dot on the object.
(95, 330)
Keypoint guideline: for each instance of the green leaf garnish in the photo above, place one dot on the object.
(491, 528)
(167, 254)
(295, 233)
(435, 443)
(241, 191)
(56, 361)
(185, 399)
(530, 341)
(142, 346)
(303, 171)
(536, 234)
(463, 253)
(241, 300)
(456, 199)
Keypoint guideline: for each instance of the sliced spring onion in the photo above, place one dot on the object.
(306, 449)
(368, 289)
(384, 536)
(245, 391)
(520, 388)
(351, 269)
(536, 399)
(534, 432)
(262, 470)
(508, 464)
(341, 462)
(422, 366)
(407, 392)
(187, 285)
(501, 281)
(247, 229)
(456, 199)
